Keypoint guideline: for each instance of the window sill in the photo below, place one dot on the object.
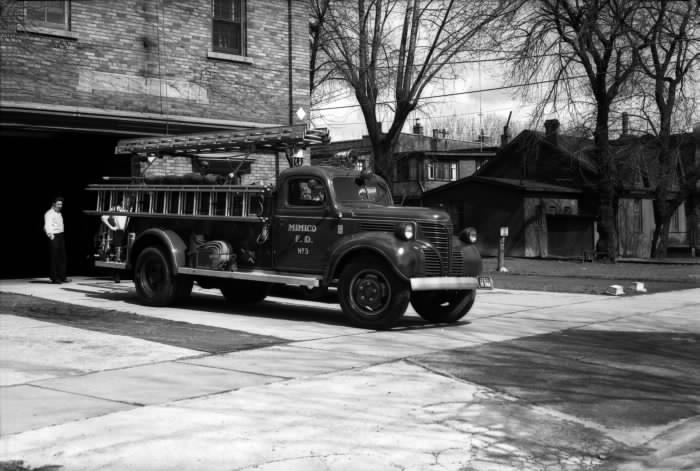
(224, 56)
(46, 31)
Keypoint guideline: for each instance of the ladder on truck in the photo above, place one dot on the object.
(180, 201)
(275, 139)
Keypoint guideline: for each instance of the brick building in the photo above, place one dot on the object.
(75, 77)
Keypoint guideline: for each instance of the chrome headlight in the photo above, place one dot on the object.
(468, 235)
(406, 231)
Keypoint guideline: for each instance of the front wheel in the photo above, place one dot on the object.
(371, 294)
(155, 280)
(443, 306)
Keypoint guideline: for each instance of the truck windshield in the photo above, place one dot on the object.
(350, 189)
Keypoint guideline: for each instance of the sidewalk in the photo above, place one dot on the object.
(334, 397)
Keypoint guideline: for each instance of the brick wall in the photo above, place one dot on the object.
(150, 56)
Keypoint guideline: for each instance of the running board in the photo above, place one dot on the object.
(115, 265)
(309, 281)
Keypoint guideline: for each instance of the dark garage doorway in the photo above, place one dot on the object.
(39, 166)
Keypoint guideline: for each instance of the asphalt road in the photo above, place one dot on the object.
(91, 379)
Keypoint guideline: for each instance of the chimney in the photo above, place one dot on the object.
(625, 124)
(551, 127)
(418, 128)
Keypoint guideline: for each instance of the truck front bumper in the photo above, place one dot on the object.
(438, 283)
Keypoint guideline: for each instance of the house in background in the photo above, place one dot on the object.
(550, 199)
(422, 162)
(417, 172)
(639, 170)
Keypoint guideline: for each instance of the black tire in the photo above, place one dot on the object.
(155, 280)
(371, 294)
(443, 306)
(244, 291)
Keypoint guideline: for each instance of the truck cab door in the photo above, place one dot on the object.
(304, 226)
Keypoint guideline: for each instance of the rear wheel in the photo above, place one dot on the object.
(443, 306)
(155, 280)
(371, 294)
(244, 291)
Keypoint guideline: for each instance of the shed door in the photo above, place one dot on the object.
(568, 236)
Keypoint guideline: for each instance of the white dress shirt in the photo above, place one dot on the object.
(53, 222)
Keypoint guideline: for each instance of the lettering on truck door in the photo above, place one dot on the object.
(305, 226)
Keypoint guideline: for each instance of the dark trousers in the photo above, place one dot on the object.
(57, 250)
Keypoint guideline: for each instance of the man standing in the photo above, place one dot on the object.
(53, 226)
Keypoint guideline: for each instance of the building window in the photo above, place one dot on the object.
(52, 14)
(228, 33)
(446, 171)
(431, 170)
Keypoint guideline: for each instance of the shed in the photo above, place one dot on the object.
(544, 220)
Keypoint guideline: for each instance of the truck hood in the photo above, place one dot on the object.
(394, 213)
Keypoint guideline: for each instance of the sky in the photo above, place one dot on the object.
(345, 121)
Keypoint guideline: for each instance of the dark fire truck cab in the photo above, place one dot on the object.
(317, 227)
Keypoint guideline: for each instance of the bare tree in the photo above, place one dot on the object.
(388, 51)
(673, 35)
(580, 49)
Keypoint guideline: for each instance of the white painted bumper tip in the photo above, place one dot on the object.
(443, 283)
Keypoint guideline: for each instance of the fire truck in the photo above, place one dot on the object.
(315, 227)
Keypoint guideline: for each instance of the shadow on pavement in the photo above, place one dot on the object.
(616, 379)
(271, 308)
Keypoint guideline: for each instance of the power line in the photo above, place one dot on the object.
(466, 92)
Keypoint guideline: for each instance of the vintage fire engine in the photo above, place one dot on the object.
(317, 227)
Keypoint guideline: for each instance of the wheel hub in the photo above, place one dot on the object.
(370, 292)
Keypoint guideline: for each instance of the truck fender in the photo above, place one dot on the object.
(173, 244)
(472, 262)
(404, 257)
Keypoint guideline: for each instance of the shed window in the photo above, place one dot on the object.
(52, 14)
(228, 32)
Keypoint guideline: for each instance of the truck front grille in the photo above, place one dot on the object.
(433, 264)
(438, 235)
(457, 263)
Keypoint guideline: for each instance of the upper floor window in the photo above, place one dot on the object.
(228, 32)
(438, 170)
(53, 14)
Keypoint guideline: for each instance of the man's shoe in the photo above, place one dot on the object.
(66, 280)
(55, 282)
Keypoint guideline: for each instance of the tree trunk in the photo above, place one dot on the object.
(383, 156)
(606, 185)
(662, 219)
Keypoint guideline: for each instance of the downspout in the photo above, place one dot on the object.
(291, 83)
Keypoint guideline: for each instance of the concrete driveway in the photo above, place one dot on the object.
(529, 380)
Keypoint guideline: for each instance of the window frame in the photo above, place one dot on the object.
(64, 26)
(294, 199)
(243, 29)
